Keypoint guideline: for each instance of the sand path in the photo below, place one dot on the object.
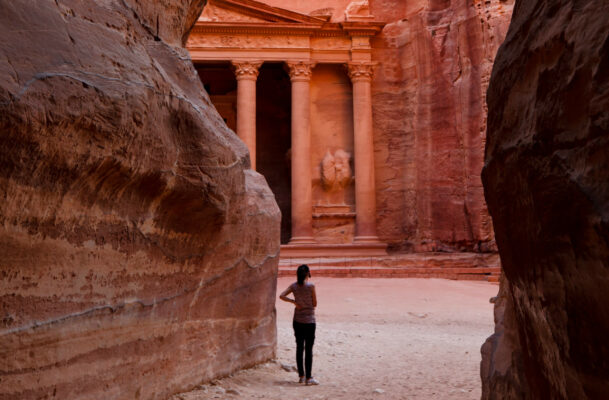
(377, 339)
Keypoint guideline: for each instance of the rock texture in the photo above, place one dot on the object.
(501, 355)
(435, 58)
(546, 180)
(139, 252)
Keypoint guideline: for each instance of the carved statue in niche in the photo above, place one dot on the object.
(335, 170)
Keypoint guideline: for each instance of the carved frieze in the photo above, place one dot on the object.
(360, 42)
(248, 41)
(331, 43)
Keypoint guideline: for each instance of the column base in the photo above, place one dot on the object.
(302, 240)
(366, 239)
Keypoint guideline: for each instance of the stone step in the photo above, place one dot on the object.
(470, 266)
(419, 269)
(489, 274)
(432, 259)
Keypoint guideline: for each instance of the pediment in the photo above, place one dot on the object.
(251, 11)
(213, 13)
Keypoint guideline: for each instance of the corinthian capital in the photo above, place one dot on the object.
(246, 69)
(359, 71)
(300, 70)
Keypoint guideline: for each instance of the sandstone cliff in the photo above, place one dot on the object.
(138, 251)
(546, 180)
(435, 58)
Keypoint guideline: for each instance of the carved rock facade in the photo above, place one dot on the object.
(138, 250)
(547, 185)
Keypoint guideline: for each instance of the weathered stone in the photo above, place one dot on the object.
(138, 250)
(547, 185)
(501, 355)
(430, 120)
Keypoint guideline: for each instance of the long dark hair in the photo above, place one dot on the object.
(302, 273)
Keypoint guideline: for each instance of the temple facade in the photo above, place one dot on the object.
(311, 88)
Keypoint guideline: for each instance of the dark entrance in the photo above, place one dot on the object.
(221, 86)
(273, 137)
(273, 124)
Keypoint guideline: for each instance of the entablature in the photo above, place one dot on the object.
(274, 34)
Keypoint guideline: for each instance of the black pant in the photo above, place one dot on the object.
(305, 337)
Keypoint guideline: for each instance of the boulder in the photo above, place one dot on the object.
(546, 181)
(138, 250)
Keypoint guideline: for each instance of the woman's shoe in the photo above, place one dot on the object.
(312, 381)
(302, 380)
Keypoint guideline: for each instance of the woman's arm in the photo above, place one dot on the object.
(284, 295)
(313, 296)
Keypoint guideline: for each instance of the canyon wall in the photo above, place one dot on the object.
(546, 181)
(435, 58)
(138, 250)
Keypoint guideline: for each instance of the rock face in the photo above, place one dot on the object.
(430, 120)
(546, 180)
(501, 355)
(139, 252)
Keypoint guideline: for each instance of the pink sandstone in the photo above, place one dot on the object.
(417, 185)
(139, 251)
(430, 120)
(547, 185)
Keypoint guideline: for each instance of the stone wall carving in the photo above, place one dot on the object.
(323, 12)
(336, 171)
(428, 99)
(358, 8)
(361, 70)
(333, 43)
(246, 69)
(300, 70)
(240, 41)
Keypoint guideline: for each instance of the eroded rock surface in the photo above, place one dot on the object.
(435, 58)
(501, 355)
(546, 181)
(138, 251)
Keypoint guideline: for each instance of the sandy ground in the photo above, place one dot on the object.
(377, 339)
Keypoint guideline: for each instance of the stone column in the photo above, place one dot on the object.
(247, 73)
(360, 74)
(302, 207)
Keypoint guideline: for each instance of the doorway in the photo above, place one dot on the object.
(273, 137)
(273, 125)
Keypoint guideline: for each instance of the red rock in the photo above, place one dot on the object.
(547, 185)
(430, 119)
(139, 252)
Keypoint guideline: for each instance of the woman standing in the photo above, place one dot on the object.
(305, 301)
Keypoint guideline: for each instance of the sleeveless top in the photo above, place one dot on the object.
(304, 298)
